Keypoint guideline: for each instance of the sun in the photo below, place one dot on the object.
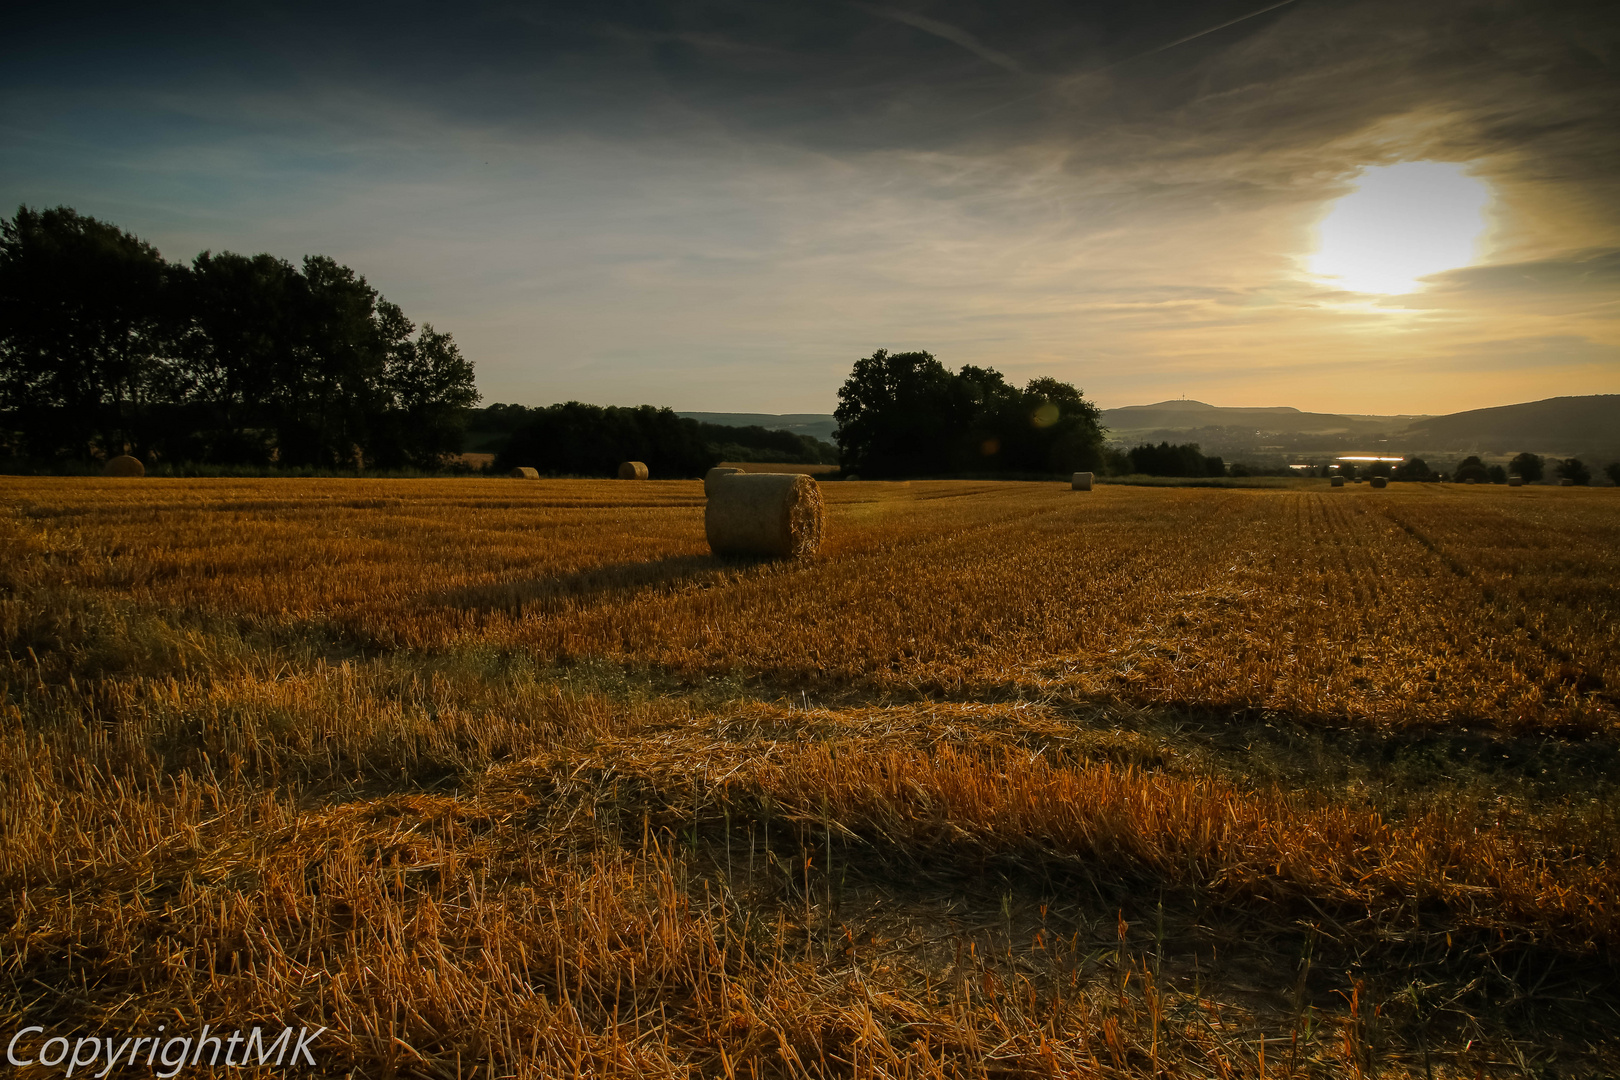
(1400, 224)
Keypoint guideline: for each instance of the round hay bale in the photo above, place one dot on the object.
(1380, 481)
(853, 476)
(1566, 482)
(524, 472)
(1515, 481)
(123, 465)
(717, 472)
(772, 514)
(1336, 481)
(1081, 482)
(632, 470)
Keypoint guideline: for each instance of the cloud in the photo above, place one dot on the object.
(694, 201)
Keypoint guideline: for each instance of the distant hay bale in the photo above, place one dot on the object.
(772, 514)
(123, 465)
(715, 473)
(1081, 482)
(632, 470)
(1515, 481)
(1380, 481)
(853, 476)
(1566, 482)
(523, 472)
(1470, 480)
(1336, 481)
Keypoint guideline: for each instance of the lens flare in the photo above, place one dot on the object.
(1402, 223)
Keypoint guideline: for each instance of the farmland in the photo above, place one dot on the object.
(507, 778)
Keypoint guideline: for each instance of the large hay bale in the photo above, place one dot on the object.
(1380, 481)
(523, 472)
(772, 514)
(715, 473)
(1336, 481)
(123, 465)
(632, 470)
(1515, 481)
(1566, 482)
(1081, 482)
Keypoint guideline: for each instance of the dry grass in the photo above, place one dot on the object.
(514, 780)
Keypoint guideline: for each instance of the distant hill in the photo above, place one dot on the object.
(1560, 425)
(1172, 416)
(817, 425)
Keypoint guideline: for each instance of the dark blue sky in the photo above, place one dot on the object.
(720, 206)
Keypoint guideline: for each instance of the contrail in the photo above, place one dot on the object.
(954, 34)
(1201, 33)
(1057, 83)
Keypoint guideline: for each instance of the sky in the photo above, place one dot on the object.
(1356, 206)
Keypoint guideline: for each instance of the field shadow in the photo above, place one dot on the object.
(551, 593)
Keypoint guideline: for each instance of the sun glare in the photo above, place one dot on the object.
(1402, 223)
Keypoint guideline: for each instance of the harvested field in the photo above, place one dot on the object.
(499, 779)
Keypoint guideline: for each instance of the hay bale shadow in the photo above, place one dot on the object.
(546, 594)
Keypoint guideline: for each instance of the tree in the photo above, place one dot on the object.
(1612, 470)
(87, 332)
(1471, 468)
(1413, 469)
(104, 347)
(428, 386)
(1575, 470)
(906, 414)
(1498, 474)
(1527, 465)
(901, 415)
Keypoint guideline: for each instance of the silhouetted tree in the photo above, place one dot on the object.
(1527, 465)
(1574, 469)
(898, 415)
(239, 359)
(1612, 470)
(1471, 468)
(1498, 474)
(1413, 469)
(906, 414)
(88, 328)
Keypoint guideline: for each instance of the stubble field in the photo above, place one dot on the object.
(505, 778)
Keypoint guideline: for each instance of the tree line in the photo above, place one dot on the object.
(906, 414)
(107, 348)
(589, 440)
